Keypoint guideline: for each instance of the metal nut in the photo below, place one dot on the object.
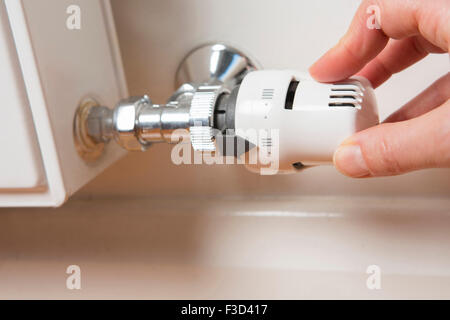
(125, 122)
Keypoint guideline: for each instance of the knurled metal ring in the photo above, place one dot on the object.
(202, 117)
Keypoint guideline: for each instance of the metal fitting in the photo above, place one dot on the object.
(136, 123)
(126, 123)
(202, 116)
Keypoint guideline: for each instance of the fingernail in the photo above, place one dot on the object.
(349, 160)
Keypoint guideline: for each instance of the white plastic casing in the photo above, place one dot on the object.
(321, 117)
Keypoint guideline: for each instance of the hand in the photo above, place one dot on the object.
(416, 136)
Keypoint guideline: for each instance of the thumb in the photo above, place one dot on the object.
(396, 148)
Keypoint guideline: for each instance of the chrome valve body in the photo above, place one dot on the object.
(205, 79)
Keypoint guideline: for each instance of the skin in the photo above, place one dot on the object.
(417, 136)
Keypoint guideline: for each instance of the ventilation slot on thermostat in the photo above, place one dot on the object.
(346, 95)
